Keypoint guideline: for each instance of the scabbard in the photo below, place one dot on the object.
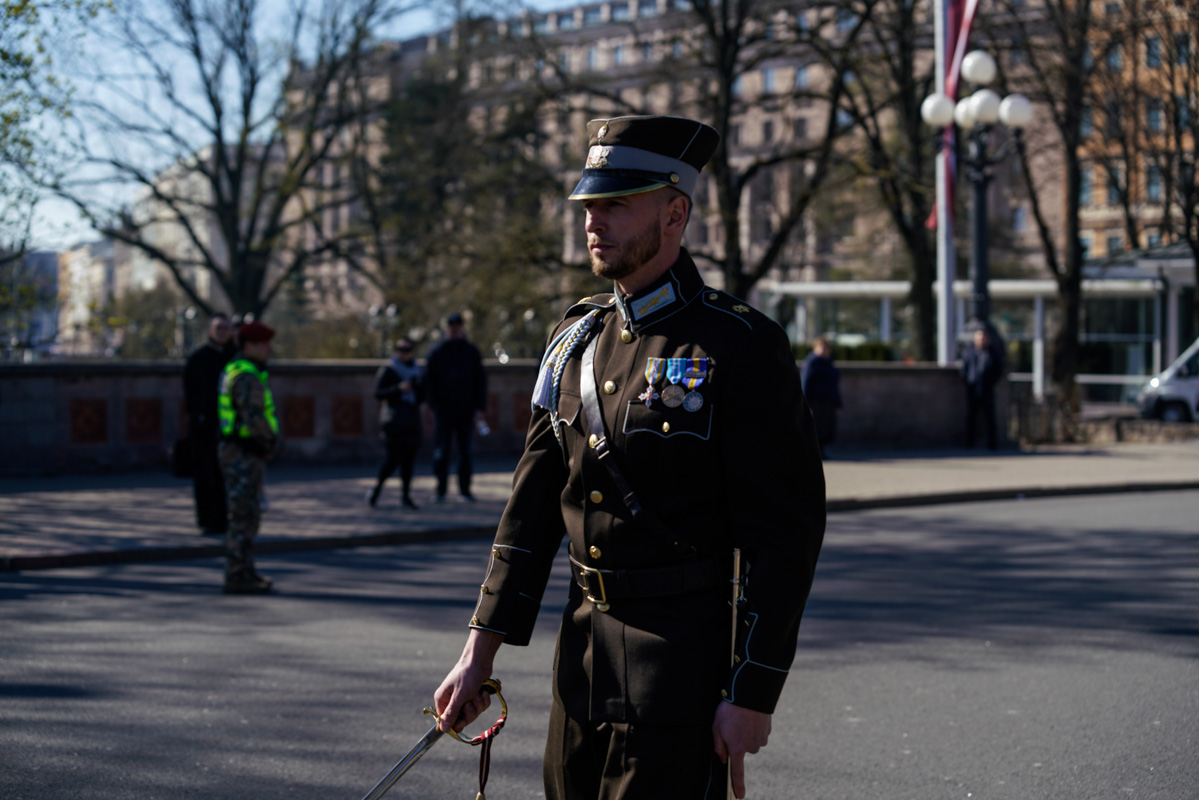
(405, 763)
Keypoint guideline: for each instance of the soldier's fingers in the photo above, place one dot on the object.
(472, 709)
(719, 747)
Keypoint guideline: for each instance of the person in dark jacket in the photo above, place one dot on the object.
(201, 376)
(668, 428)
(457, 392)
(400, 386)
(822, 388)
(982, 368)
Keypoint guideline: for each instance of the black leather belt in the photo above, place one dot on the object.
(604, 585)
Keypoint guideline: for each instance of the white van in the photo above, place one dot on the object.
(1173, 396)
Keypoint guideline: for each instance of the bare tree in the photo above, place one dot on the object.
(1054, 45)
(223, 131)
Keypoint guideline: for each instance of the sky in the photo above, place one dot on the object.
(58, 225)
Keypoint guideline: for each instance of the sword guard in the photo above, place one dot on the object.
(491, 686)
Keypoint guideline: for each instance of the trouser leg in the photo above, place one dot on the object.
(243, 487)
(208, 483)
(407, 446)
(388, 468)
(442, 433)
(465, 433)
(624, 761)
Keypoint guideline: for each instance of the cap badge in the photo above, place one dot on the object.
(597, 157)
(602, 132)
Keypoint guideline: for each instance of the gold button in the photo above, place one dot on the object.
(484, 589)
(611, 300)
(724, 693)
(713, 296)
(474, 620)
(609, 387)
(597, 497)
(626, 337)
(593, 441)
(595, 552)
(665, 427)
(674, 178)
(736, 659)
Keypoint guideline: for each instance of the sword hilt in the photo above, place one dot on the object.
(491, 686)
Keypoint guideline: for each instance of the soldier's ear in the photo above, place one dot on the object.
(678, 208)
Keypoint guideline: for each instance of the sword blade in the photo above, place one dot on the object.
(405, 763)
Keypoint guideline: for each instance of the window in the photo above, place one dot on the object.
(801, 78)
(1153, 184)
(735, 135)
(564, 61)
(801, 129)
(767, 132)
(541, 25)
(846, 20)
(739, 86)
(844, 119)
(1114, 244)
(1086, 122)
(1084, 189)
(1019, 219)
(768, 80)
(592, 58)
(620, 12)
(1085, 242)
(802, 21)
(1182, 49)
(1153, 115)
(593, 17)
(1114, 193)
(1153, 52)
(1154, 240)
(1115, 57)
(1112, 9)
(566, 22)
(618, 55)
(647, 9)
(1183, 118)
(647, 52)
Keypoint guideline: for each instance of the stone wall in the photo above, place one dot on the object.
(58, 418)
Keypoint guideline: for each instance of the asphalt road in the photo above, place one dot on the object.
(1022, 650)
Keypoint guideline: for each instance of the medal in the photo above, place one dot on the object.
(672, 395)
(695, 372)
(653, 371)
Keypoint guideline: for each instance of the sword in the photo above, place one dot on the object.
(738, 600)
(492, 686)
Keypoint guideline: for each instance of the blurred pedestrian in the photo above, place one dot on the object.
(249, 436)
(982, 368)
(458, 396)
(400, 386)
(822, 388)
(201, 379)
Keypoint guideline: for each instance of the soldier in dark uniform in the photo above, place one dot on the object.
(249, 436)
(668, 428)
(201, 377)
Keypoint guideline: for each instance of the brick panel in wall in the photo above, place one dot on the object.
(522, 413)
(143, 420)
(299, 418)
(89, 421)
(347, 416)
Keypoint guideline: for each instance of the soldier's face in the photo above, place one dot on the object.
(623, 233)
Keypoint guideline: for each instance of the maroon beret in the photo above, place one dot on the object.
(255, 332)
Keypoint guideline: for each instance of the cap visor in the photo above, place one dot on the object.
(593, 187)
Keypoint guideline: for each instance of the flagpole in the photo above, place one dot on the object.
(946, 331)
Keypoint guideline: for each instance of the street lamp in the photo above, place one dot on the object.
(976, 115)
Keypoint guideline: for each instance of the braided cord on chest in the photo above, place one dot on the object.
(576, 336)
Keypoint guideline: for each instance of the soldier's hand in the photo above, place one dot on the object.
(460, 698)
(735, 732)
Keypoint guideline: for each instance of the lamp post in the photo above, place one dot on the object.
(976, 115)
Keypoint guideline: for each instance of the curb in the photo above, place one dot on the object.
(153, 554)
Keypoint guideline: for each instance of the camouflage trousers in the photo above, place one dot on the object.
(243, 475)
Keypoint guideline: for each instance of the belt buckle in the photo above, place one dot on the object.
(601, 602)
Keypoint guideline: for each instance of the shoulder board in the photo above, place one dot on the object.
(733, 306)
(589, 303)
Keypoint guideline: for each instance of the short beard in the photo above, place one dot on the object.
(636, 252)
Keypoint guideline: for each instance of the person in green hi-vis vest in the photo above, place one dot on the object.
(249, 436)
